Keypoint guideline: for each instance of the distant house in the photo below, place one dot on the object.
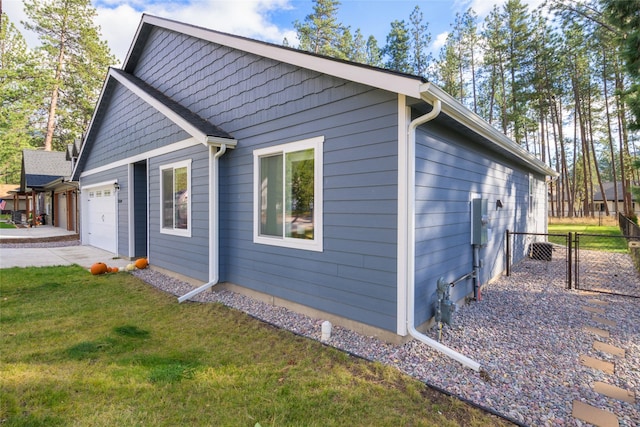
(48, 195)
(334, 188)
(610, 194)
(7, 194)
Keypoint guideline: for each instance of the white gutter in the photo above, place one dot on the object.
(214, 224)
(411, 238)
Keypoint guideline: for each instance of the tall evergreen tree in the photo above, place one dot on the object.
(420, 40)
(397, 50)
(625, 17)
(19, 88)
(78, 60)
(321, 32)
(374, 54)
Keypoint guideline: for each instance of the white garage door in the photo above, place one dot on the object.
(101, 218)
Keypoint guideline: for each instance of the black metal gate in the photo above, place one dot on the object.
(603, 264)
(590, 262)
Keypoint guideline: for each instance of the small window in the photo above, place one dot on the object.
(532, 204)
(288, 195)
(91, 194)
(175, 212)
(98, 193)
(107, 193)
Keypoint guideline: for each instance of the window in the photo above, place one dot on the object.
(532, 199)
(175, 211)
(288, 195)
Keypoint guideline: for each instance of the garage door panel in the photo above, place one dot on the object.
(101, 215)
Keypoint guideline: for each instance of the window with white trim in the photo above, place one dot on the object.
(288, 195)
(175, 203)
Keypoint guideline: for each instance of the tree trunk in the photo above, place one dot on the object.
(55, 93)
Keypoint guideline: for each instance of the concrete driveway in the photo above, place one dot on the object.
(13, 255)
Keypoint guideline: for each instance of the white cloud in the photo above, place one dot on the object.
(119, 19)
(248, 18)
(440, 41)
(483, 7)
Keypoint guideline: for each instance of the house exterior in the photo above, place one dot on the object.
(337, 189)
(610, 194)
(7, 195)
(46, 194)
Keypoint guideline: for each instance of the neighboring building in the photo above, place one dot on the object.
(610, 194)
(7, 195)
(48, 195)
(298, 178)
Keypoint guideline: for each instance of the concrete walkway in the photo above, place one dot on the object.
(85, 256)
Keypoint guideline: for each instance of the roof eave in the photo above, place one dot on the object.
(454, 109)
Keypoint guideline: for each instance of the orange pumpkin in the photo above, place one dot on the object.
(99, 268)
(141, 263)
(114, 269)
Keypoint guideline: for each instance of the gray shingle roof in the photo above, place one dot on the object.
(41, 167)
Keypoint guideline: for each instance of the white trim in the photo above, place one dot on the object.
(130, 211)
(177, 231)
(401, 259)
(167, 149)
(312, 245)
(99, 184)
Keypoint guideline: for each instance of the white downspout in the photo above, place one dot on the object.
(214, 225)
(410, 250)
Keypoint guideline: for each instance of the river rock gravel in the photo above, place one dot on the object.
(528, 333)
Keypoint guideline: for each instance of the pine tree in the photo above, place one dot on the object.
(398, 47)
(19, 88)
(78, 60)
(321, 32)
(373, 52)
(420, 40)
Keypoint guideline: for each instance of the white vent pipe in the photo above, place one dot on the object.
(410, 250)
(214, 224)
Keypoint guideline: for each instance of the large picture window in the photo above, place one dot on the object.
(288, 195)
(175, 212)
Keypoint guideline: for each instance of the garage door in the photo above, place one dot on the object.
(101, 218)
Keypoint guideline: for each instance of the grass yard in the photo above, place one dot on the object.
(77, 349)
(612, 239)
(6, 225)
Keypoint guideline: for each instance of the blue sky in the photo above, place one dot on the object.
(268, 20)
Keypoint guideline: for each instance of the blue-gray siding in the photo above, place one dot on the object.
(449, 169)
(261, 102)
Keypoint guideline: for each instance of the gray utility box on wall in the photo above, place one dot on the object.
(479, 222)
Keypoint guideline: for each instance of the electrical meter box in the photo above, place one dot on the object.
(479, 222)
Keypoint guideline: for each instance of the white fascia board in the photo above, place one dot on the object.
(181, 145)
(389, 81)
(454, 109)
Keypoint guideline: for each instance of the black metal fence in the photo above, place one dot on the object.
(590, 262)
(628, 227)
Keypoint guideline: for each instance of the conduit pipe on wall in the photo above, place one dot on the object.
(410, 250)
(214, 224)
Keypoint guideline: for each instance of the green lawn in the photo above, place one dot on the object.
(609, 237)
(83, 350)
(6, 225)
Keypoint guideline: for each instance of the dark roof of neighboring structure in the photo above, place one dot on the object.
(40, 168)
(608, 191)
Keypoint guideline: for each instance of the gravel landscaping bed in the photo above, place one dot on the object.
(528, 333)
